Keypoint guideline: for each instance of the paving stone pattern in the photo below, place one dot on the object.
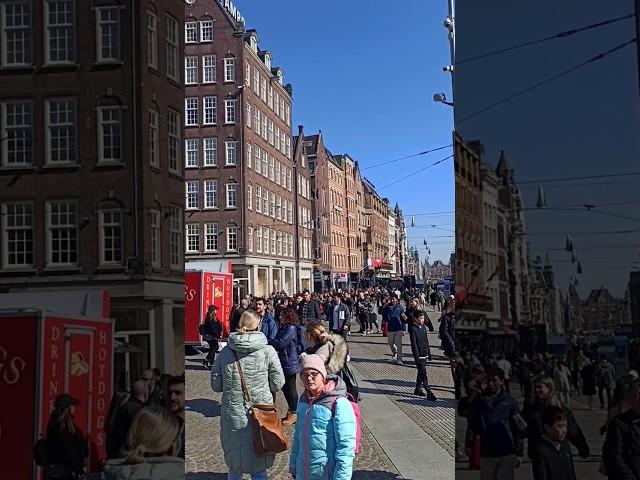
(204, 459)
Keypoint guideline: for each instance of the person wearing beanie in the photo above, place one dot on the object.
(324, 442)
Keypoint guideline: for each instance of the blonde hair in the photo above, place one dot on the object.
(316, 331)
(154, 431)
(552, 399)
(249, 322)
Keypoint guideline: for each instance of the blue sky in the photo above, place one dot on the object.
(364, 72)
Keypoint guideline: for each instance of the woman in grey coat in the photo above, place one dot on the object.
(263, 376)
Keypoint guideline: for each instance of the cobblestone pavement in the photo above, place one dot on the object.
(370, 355)
(586, 468)
(204, 452)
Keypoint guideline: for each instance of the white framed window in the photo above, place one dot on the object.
(232, 195)
(273, 242)
(193, 238)
(265, 240)
(231, 152)
(16, 29)
(270, 97)
(281, 112)
(290, 214)
(210, 237)
(192, 193)
(208, 69)
(289, 179)
(273, 205)
(279, 207)
(152, 40)
(109, 134)
(258, 199)
(263, 89)
(277, 138)
(232, 239)
(191, 111)
(283, 176)
(270, 132)
(279, 244)
(191, 70)
(17, 133)
(61, 118)
(257, 161)
(192, 152)
(248, 114)
(230, 111)
(250, 197)
(249, 156)
(154, 139)
(210, 151)
(276, 103)
(206, 30)
(60, 32)
(155, 237)
(175, 238)
(265, 201)
(211, 194)
(17, 235)
(256, 120)
(172, 49)
(250, 239)
(108, 34)
(62, 232)
(247, 74)
(265, 164)
(271, 168)
(191, 32)
(229, 69)
(264, 126)
(111, 237)
(256, 80)
(288, 114)
(210, 105)
(174, 140)
(259, 239)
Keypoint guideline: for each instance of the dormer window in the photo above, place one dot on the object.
(280, 78)
(254, 44)
(267, 60)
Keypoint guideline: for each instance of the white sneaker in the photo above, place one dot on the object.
(394, 357)
(348, 358)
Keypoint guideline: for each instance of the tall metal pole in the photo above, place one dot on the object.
(637, 3)
(452, 44)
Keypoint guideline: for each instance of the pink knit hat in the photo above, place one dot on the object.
(314, 362)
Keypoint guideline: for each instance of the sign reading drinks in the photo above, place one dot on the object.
(233, 11)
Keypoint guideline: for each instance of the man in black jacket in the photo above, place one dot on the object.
(421, 353)
(553, 458)
(339, 316)
(117, 437)
(308, 309)
(621, 452)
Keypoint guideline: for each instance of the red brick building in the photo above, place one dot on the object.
(244, 200)
(91, 172)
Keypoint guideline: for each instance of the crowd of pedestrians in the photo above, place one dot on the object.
(277, 341)
(500, 423)
(145, 434)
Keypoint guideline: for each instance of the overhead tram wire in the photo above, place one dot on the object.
(586, 177)
(561, 35)
(417, 171)
(436, 149)
(593, 59)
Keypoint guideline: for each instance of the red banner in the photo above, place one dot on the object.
(77, 359)
(18, 382)
(193, 315)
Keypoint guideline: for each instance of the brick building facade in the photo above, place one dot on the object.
(91, 177)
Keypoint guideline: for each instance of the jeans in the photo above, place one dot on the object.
(601, 390)
(254, 476)
(364, 322)
(422, 380)
(395, 343)
(497, 468)
(290, 392)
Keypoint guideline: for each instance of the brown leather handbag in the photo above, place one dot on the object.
(269, 436)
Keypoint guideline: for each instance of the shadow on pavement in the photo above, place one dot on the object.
(195, 367)
(368, 474)
(203, 406)
(205, 476)
(441, 402)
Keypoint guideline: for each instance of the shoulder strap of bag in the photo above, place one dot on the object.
(245, 392)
